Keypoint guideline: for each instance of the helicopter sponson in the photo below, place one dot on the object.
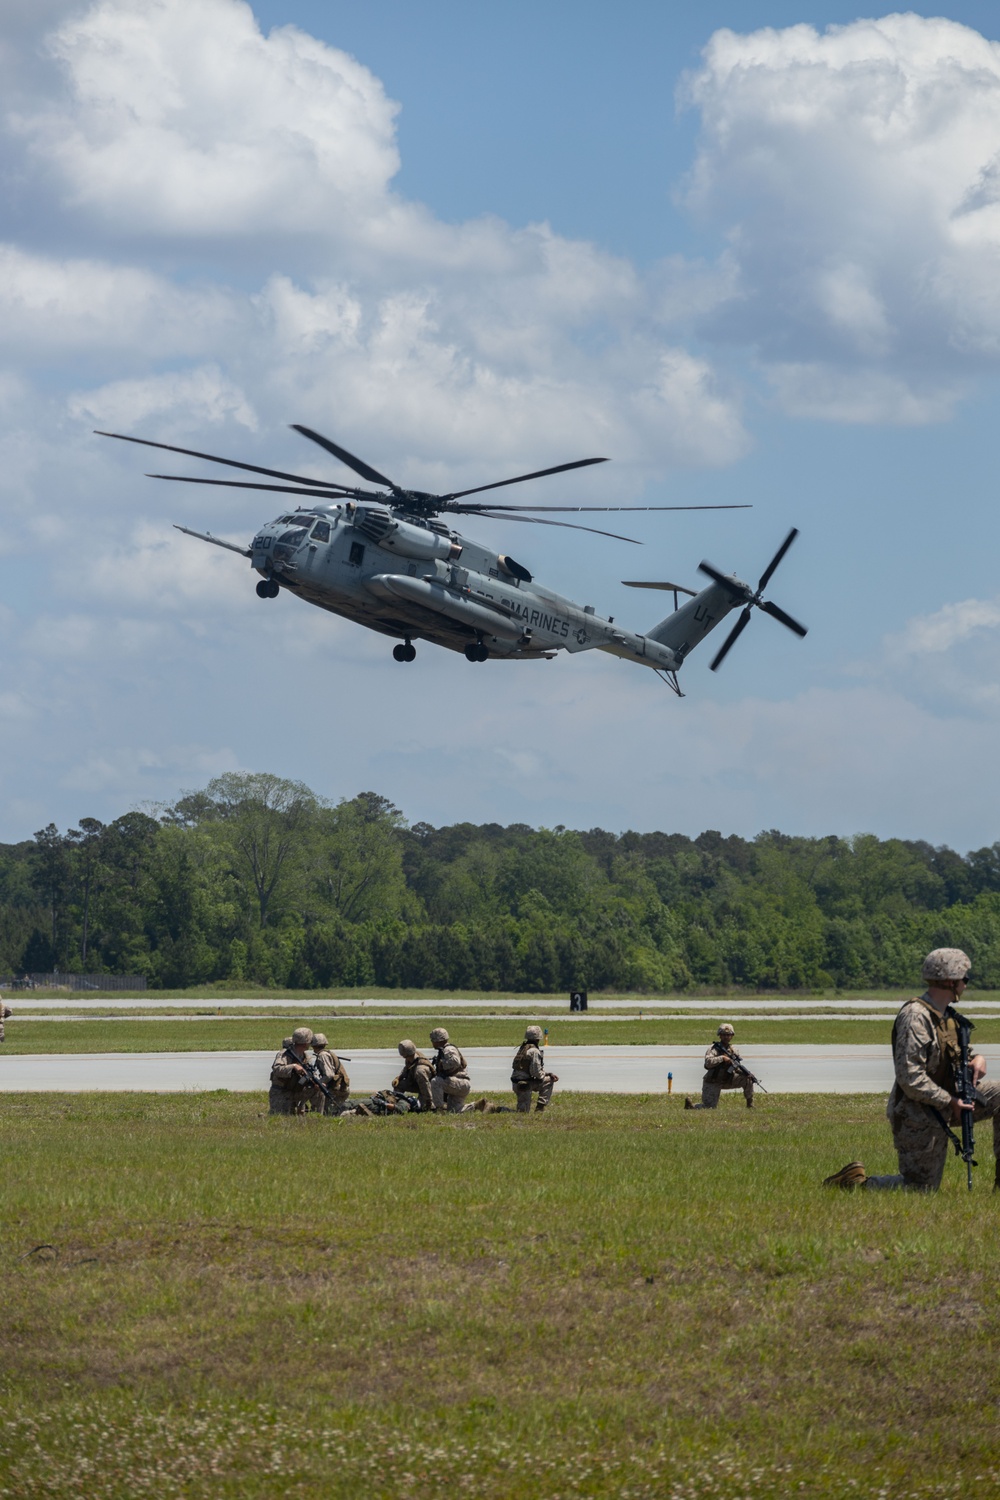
(387, 561)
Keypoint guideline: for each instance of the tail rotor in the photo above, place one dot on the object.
(741, 593)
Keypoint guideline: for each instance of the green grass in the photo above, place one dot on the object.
(617, 1298)
(223, 1034)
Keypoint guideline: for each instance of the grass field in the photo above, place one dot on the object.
(224, 1034)
(617, 1298)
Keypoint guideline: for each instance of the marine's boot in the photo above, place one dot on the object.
(749, 1104)
(482, 1105)
(688, 1104)
(996, 1176)
(539, 1107)
(850, 1177)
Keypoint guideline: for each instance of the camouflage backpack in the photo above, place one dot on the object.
(522, 1061)
(386, 1102)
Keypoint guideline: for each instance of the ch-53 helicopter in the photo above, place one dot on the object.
(385, 560)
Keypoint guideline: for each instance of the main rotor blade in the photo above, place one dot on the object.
(538, 521)
(249, 484)
(765, 577)
(721, 579)
(628, 509)
(213, 458)
(779, 614)
(731, 639)
(357, 464)
(580, 463)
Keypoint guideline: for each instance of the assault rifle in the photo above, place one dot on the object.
(738, 1066)
(965, 1090)
(311, 1071)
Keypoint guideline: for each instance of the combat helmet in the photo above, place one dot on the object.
(533, 1034)
(726, 1030)
(320, 1042)
(302, 1037)
(946, 963)
(439, 1037)
(407, 1048)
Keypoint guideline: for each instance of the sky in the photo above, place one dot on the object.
(748, 251)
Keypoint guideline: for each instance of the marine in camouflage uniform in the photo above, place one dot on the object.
(720, 1073)
(291, 1093)
(528, 1075)
(451, 1085)
(333, 1074)
(418, 1071)
(5, 1012)
(925, 1052)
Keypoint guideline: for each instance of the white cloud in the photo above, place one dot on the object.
(946, 628)
(191, 398)
(56, 307)
(448, 354)
(181, 118)
(866, 396)
(855, 174)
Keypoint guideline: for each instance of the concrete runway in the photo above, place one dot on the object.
(783, 1069)
(24, 1003)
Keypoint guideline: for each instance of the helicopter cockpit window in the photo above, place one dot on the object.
(288, 520)
(292, 538)
(321, 531)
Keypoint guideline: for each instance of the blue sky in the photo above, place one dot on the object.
(467, 241)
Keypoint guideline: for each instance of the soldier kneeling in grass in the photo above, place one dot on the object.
(923, 1105)
(292, 1092)
(722, 1071)
(333, 1074)
(416, 1076)
(451, 1084)
(528, 1075)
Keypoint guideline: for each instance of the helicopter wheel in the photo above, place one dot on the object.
(267, 589)
(477, 652)
(405, 651)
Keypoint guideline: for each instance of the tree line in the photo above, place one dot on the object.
(257, 878)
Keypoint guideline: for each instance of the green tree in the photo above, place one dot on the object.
(358, 859)
(264, 821)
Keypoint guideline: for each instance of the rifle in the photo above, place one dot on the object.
(312, 1073)
(965, 1090)
(740, 1067)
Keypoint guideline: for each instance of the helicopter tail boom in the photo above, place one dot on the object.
(688, 626)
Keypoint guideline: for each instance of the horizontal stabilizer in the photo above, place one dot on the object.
(206, 536)
(673, 588)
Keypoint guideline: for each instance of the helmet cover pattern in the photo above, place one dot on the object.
(946, 963)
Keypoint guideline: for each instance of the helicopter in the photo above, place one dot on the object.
(386, 560)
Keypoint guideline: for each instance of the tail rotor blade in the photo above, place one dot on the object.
(765, 577)
(722, 580)
(357, 464)
(731, 639)
(779, 614)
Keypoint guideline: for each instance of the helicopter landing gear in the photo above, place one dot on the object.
(405, 651)
(476, 652)
(267, 589)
